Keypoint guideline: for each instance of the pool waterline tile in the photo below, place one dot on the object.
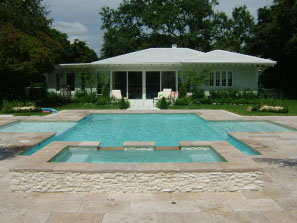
(235, 161)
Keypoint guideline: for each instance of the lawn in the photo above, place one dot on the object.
(71, 106)
(238, 109)
(242, 109)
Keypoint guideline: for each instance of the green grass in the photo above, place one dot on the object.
(26, 113)
(85, 106)
(238, 109)
(242, 109)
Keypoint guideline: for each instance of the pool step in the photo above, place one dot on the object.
(139, 145)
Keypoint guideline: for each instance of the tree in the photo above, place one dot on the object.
(62, 40)
(29, 47)
(24, 59)
(29, 16)
(236, 33)
(276, 38)
(88, 78)
(195, 79)
(81, 53)
(148, 23)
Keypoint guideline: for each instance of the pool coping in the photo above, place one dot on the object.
(38, 162)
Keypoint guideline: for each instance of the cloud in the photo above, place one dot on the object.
(74, 30)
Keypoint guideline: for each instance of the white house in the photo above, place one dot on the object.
(142, 74)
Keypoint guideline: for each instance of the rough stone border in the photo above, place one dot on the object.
(36, 174)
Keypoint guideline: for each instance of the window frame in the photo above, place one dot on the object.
(211, 79)
(220, 79)
(57, 82)
(228, 79)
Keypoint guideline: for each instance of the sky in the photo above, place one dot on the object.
(80, 19)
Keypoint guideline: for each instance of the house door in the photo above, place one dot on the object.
(70, 82)
(135, 85)
(152, 84)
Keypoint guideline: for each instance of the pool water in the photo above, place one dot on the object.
(163, 129)
(85, 155)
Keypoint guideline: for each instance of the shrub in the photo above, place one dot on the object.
(105, 91)
(7, 106)
(37, 92)
(162, 104)
(18, 106)
(182, 101)
(268, 101)
(205, 100)
(233, 93)
(182, 91)
(84, 97)
(199, 94)
(102, 100)
(54, 99)
(124, 104)
(248, 95)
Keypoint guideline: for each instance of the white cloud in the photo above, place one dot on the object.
(74, 30)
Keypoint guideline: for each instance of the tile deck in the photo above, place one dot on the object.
(275, 204)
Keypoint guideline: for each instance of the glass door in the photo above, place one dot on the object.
(119, 82)
(135, 85)
(152, 84)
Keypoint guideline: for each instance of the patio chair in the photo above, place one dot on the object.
(166, 93)
(116, 94)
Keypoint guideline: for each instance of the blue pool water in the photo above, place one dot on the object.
(85, 155)
(163, 129)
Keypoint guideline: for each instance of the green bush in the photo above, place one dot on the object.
(162, 104)
(105, 91)
(84, 97)
(248, 95)
(199, 94)
(182, 101)
(268, 101)
(182, 91)
(36, 92)
(102, 100)
(205, 100)
(233, 93)
(7, 106)
(55, 99)
(124, 104)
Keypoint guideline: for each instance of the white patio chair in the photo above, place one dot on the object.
(166, 93)
(116, 94)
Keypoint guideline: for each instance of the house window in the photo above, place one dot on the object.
(211, 79)
(224, 78)
(70, 81)
(83, 83)
(230, 79)
(57, 82)
(218, 79)
(103, 81)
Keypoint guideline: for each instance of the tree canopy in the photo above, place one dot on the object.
(139, 24)
(276, 38)
(188, 23)
(29, 47)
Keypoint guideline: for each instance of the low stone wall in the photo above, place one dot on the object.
(136, 182)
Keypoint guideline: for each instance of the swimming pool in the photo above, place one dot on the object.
(164, 129)
(92, 155)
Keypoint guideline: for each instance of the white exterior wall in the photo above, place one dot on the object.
(244, 76)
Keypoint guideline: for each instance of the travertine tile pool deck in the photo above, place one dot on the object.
(276, 203)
